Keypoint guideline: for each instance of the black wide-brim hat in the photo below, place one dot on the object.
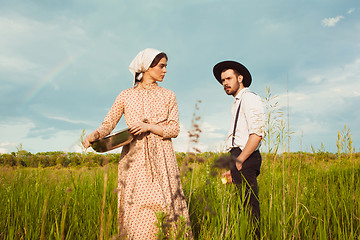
(221, 66)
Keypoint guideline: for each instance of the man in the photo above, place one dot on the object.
(246, 132)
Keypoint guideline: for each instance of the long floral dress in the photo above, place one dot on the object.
(148, 180)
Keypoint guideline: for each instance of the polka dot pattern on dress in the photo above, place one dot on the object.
(148, 175)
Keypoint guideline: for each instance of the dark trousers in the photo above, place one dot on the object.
(247, 177)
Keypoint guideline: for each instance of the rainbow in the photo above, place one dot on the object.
(51, 75)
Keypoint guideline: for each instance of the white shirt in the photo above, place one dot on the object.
(251, 119)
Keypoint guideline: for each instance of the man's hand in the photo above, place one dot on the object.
(238, 164)
(228, 177)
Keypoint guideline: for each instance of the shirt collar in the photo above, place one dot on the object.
(238, 96)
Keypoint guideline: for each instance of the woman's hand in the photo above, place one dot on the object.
(139, 128)
(90, 138)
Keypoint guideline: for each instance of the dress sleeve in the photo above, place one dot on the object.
(254, 114)
(113, 116)
(172, 127)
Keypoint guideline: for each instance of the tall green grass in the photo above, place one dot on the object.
(50, 203)
(302, 196)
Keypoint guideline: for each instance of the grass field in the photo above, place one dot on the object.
(302, 196)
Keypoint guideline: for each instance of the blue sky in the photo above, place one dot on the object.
(62, 64)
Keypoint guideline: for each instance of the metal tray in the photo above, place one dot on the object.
(112, 141)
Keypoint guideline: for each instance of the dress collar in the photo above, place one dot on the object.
(147, 86)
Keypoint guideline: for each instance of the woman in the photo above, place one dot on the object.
(148, 180)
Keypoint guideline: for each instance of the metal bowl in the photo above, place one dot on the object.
(112, 141)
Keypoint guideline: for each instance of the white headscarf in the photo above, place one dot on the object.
(142, 62)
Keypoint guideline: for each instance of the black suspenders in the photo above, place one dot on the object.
(237, 116)
(236, 119)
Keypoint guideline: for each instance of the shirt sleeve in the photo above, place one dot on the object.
(172, 127)
(254, 114)
(113, 116)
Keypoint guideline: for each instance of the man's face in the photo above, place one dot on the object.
(230, 82)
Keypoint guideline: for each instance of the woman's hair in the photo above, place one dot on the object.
(153, 63)
(157, 59)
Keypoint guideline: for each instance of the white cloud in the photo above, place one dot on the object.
(77, 148)
(12, 134)
(4, 150)
(337, 89)
(15, 64)
(181, 143)
(15, 129)
(68, 120)
(211, 131)
(6, 147)
(23, 36)
(11, 26)
(331, 22)
(212, 138)
(351, 10)
(5, 144)
(17, 25)
(16, 132)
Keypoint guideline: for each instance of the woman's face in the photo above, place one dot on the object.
(157, 73)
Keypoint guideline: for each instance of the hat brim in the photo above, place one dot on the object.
(221, 66)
